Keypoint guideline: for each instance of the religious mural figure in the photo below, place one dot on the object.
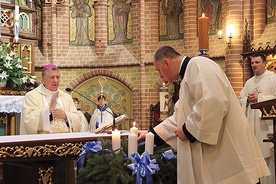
(172, 9)
(271, 11)
(120, 12)
(212, 9)
(81, 12)
(22, 2)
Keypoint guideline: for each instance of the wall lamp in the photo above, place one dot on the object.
(229, 36)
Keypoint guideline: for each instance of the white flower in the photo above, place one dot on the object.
(12, 53)
(8, 65)
(19, 65)
(24, 79)
(32, 80)
(9, 58)
(3, 75)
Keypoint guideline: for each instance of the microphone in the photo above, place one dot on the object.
(114, 121)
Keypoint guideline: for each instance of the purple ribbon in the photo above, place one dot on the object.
(168, 155)
(94, 146)
(142, 166)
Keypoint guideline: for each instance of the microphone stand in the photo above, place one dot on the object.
(114, 122)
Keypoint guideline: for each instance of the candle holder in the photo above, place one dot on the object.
(227, 41)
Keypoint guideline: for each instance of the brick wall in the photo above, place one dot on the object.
(133, 63)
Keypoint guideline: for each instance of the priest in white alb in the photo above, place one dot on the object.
(47, 109)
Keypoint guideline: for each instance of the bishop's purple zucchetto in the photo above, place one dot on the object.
(46, 67)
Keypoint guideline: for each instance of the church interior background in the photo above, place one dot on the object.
(115, 40)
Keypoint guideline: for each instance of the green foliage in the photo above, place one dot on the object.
(108, 167)
(12, 71)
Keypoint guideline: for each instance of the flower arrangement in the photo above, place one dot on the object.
(98, 163)
(12, 71)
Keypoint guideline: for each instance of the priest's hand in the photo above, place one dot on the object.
(59, 113)
(180, 134)
(141, 136)
(53, 102)
(252, 97)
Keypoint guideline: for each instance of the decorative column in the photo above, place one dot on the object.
(53, 32)
(101, 19)
(142, 66)
(13, 124)
(190, 23)
(234, 70)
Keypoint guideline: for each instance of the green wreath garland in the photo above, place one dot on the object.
(108, 167)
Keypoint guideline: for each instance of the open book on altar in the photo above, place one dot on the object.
(118, 120)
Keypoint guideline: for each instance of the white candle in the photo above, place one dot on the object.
(16, 13)
(132, 143)
(134, 129)
(116, 139)
(16, 23)
(149, 143)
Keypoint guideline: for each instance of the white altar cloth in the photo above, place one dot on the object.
(11, 103)
(39, 137)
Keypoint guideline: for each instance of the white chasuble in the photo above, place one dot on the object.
(35, 115)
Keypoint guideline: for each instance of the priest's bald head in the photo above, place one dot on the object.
(50, 77)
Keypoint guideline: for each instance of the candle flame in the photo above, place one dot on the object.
(220, 33)
(163, 84)
(203, 14)
(134, 123)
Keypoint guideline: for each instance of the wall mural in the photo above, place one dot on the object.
(271, 11)
(171, 25)
(212, 9)
(118, 97)
(119, 22)
(81, 23)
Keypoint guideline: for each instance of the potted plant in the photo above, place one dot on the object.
(11, 70)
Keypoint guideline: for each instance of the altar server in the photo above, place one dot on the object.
(209, 130)
(47, 109)
(102, 115)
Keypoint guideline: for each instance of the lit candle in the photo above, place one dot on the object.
(132, 143)
(116, 139)
(220, 34)
(203, 35)
(164, 102)
(134, 129)
(16, 23)
(149, 143)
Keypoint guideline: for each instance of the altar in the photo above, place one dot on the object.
(10, 109)
(38, 158)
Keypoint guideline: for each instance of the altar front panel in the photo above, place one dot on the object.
(39, 155)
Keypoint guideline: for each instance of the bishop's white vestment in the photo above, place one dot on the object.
(35, 113)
